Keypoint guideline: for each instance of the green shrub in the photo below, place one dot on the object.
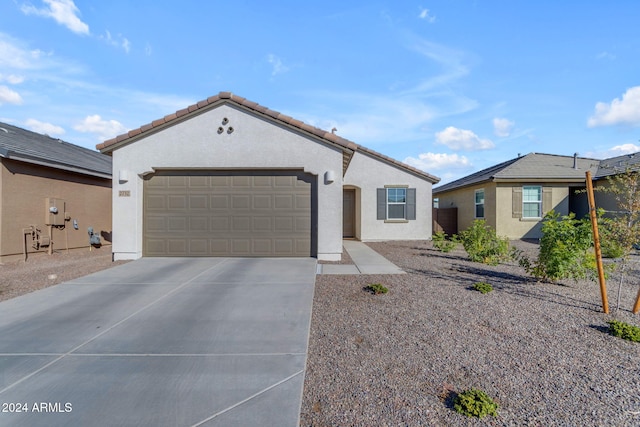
(566, 250)
(475, 403)
(624, 330)
(377, 288)
(483, 287)
(441, 243)
(483, 245)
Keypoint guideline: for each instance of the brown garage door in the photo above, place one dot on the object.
(196, 213)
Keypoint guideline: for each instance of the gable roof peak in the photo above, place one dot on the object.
(229, 97)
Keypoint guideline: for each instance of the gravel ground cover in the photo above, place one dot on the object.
(42, 270)
(541, 351)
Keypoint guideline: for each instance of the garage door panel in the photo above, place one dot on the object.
(156, 203)
(198, 247)
(199, 201)
(283, 201)
(199, 225)
(261, 224)
(220, 201)
(241, 202)
(177, 224)
(240, 214)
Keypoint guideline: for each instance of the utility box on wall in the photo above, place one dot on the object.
(55, 211)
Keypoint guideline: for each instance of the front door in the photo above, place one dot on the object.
(349, 213)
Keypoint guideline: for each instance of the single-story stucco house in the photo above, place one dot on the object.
(39, 175)
(229, 177)
(513, 196)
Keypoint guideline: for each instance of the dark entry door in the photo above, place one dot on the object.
(349, 213)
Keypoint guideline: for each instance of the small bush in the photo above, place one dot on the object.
(565, 250)
(441, 243)
(483, 245)
(483, 287)
(475, 403)
(377, 288)
(624, 330)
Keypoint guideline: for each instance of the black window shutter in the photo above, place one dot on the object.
(382, 204)
(411, 203)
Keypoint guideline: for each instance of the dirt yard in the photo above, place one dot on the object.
(42, 270)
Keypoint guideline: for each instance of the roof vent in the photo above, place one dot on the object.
(575, 160)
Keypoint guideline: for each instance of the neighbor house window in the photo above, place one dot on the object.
(396, 203)
(532, 201)
(479, 203)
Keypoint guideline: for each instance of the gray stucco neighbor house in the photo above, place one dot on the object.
(229, 177)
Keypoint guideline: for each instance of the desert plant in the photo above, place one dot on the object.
(624, 330)
(564, 250)
(441, 243)
(377, 288)
(483, 245)
(475, 403)
(483, 287)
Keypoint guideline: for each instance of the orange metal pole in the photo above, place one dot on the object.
(596, 242)
(636, 307)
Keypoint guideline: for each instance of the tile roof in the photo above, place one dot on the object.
(347, 146)
(533, 166)
(31, 147)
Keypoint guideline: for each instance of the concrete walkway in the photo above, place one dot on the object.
(161, 342)
(367, 261)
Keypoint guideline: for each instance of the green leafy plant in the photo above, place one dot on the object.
(624, 330)
(483, 287)
(377, 288)
(483, 245)
(441, 243)
(475, 403)
(564, 250)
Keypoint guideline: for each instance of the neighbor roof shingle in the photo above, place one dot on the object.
(31, 147)
(222, 97)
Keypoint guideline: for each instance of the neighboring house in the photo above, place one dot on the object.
(51, 185)
(514, 196)
(229, 177)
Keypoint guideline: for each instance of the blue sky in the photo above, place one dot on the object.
(450, 87)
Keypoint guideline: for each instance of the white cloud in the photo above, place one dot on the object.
(64, 12)
(461, 139)
(438, 161)
(104, 129)
(615, 151)
(277, 66)
(8, 96)
(625, 111)
(45, 128)
(424, 14)
(121, 41)
(502, 127)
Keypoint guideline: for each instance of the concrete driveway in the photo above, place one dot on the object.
(160, 342)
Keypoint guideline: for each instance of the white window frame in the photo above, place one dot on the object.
(526, 202)
(476, 204)
(404, 204)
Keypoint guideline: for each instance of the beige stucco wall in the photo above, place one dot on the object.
(518, 228)
(464, 200)
(255, 143)
(367, 174)
(499, 207)
(24, 188)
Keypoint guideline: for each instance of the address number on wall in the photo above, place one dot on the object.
(124, 193)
